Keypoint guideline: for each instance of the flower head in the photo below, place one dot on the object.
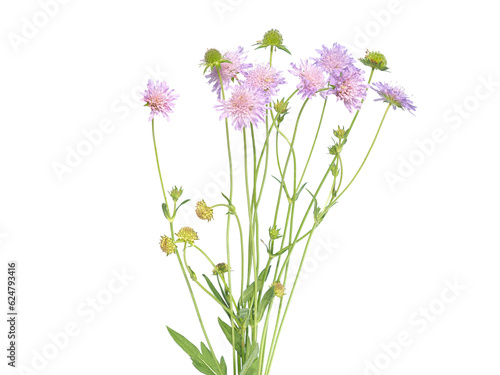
(159, 98)
(187, 234)
(220, 269)
(375, 60)
(228, 70)
(279, 289)
(167, 245)
(393, 95)
(212, 56)
(350, 87)
(265, 78)
(203, 211)
(274, 39)
(334, 59)
(311, 78)
(246, 105)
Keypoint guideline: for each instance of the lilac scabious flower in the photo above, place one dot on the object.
(393, 95)
(246, 105)
(350, 87)
(311, 78)
(265, 78)
(159, 98)
(333, 60)
(228, 71)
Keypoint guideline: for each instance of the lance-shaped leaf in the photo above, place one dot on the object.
(205, 361)
(226, 328)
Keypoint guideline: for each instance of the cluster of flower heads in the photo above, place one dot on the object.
(332, 73)
(249, 88)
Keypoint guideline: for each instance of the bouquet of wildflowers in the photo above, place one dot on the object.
(252, 283)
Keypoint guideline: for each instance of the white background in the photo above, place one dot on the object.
(383, 253)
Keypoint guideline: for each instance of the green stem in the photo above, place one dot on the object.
(314, 143)
(367, 154)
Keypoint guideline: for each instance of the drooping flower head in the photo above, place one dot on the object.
(350, 86)
(393, 95)
(167, 245)
(265, 78)
(246, 105)
(228, 71)
(203, 211)
(159, 98)
(311, 78)
(333, 60)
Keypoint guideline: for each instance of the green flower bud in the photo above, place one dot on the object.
(340, 133)
(176, 193)
(192, 274)
(272, 38)
(335, 149)
(220, 269)
(212, 56)
(274, 233)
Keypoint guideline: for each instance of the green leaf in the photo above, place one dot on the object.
(266, 300)
(251, 359)
(215, 291)
(283, 48)
(223, 366)
(205, 363)
(299, 191)
(179, 206)
(164, 208)
(184, 343)
(226, 328)
(209, 358)
(249, 292)
(254, 368)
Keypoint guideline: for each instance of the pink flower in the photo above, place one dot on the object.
(350, 87)
(311, 78)
(265, 78)
(246, 105)
(159, 98)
